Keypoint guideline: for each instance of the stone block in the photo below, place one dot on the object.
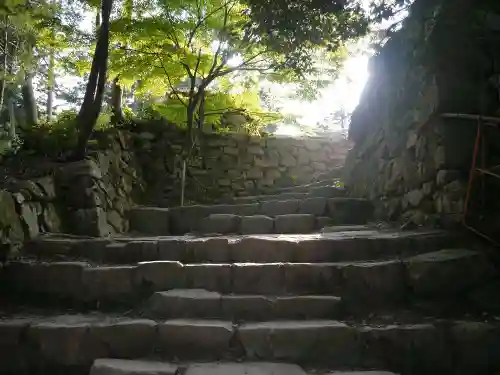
(255, 150)
(298, 341)
(350, 210)
(287, 159)
(444, 177)
(274, 208)
(317, 166)
(231, 151)
(196, 339)
(475, 343)
(12, 351)
(374, 282)
(294, 223)
(210, 250)
(110, 366)
(447, 272)
(121, 339)
(256, 224)
(108, 283)
(59, 342)
(160, 275)
(257, 368)
(406, 347)
(263, 278)
(212, 277)
(312, 278)
(263, 250)
(325, 192)
(307, 307)
(184, 303)
(247, 307)
(150, 220)
(220, 223)
(254, 174)
(313, 206)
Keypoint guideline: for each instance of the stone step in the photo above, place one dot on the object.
(328, 247)
(259, 224)
(320, 191)
(75, 341)
(441, 274)
(182, 220)
(110, 366)
(200, 303)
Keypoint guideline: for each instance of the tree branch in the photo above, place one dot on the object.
(170, 83)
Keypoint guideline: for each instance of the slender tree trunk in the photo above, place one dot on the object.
(92, 102)
(201, 111)
(4, 67)
(117, 101)
(51, 73)
(29, 101)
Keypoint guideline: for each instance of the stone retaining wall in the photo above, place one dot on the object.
(93, 197)
(227, 165)
(407, 158)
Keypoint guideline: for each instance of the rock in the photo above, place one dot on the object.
(414, 197)
(29, 217)
(231, 151)
(255, 150)
(318, 166)
(294, 223)
(444, 177)
(89, 222)
(70, 171)
(254, 174)
(150, 220)
(256, 224)
(128, 367)
(287, 159)
(220, 223)
(258, 368)
(195, 339)
(447, 272)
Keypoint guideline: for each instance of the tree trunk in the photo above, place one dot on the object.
(3, 82)
(50, 87)
(12, 114)
(201, 110)
(117, 102)
(29, 101)
(92, 102)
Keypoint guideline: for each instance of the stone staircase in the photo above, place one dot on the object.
(286, 212)
(352, 300)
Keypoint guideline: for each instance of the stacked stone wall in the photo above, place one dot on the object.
(407, 158)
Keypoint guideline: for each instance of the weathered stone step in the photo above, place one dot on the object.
(320, 191)
(441, 274)
(200, 303)
(329, 247)
(182, 220)
(260, 224)
(70, 341)
(109, 366)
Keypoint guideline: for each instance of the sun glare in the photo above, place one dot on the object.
(342, 95)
